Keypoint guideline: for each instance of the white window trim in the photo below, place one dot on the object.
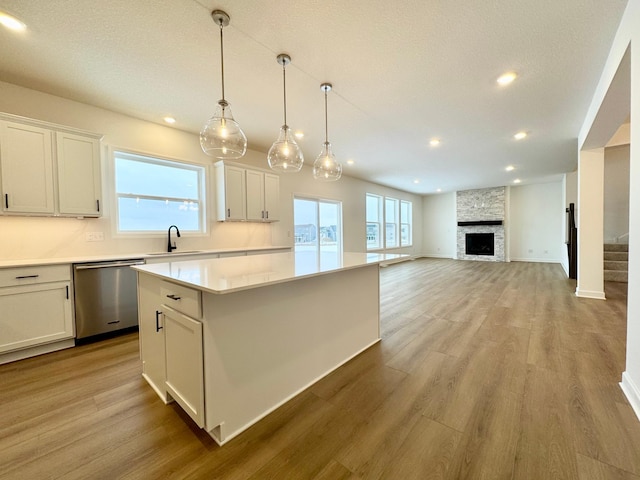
(112, 197)
(398, 224)
(312, 198)
(381, 228)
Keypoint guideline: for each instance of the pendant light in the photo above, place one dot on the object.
(326, 168)
(221, 137)
(285, 155)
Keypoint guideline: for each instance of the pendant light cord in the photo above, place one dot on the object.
(284, 84)
(222, 60)
(326, 119)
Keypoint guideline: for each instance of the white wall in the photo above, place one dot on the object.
(628, 34)
(42, 237)
(616, 193)
(439, 225)
(536, 223)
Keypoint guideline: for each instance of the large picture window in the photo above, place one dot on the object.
(153, 193)
(318, 230)
(406, 222)
(391, 223)
(374, 221)
(397, 218)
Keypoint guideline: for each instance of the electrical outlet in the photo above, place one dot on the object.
(94, 236)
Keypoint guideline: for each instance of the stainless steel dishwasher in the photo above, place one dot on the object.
(105, 297)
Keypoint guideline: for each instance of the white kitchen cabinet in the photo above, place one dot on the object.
(253, 194)
(171, 343)
(36, 306)
(48, 169)
(151, 331)
(184, 360)
(79, 188)
(263, 196)
(231, 193)
(26, 167)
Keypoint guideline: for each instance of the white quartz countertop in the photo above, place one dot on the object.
(232, 274)
(126, 256)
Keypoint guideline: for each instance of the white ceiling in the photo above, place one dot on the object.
(403, 72)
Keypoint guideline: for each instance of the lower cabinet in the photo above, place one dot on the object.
(171, 343)
(183, 353)
(35, 307)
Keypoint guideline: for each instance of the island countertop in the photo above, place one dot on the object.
(228, 275)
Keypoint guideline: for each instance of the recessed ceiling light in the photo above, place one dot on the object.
(12, 23)
(517, 180)
(520, 135)
(350, 162)
(170, 120)
(299, 134)
(439, 190)
(434, 142)
(507, 78)
(510, 168)
(416, 181)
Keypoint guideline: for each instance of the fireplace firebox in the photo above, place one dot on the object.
(479, 244)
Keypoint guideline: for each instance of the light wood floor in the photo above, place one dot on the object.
(485, 371)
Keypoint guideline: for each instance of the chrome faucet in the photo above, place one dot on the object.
(170, 247)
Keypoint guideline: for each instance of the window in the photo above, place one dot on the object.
(153, 193)
(397, 220)
(391, 222)
(318, 229)
(406, 222)
(374, 221)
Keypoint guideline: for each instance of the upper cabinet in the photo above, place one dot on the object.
(26, 163)
(79, 184)
(246, 194)
(47, 169)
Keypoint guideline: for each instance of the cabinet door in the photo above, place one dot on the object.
(271, 197)
(34, 314)
(255, 196)
(78, 163)
(151, 332)
(184, 356)
(234, 193)
(26, 165)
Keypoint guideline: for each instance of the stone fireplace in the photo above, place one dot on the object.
(480, 216)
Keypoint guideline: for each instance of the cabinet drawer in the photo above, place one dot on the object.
(10, 277)
(183, 299)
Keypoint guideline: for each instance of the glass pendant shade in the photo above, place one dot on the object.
(285, 155)
(221, 137)
(326, 168)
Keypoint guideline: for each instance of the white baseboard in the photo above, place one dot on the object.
(536, 260)
(435, 255)
(632, 392)
(590, 294)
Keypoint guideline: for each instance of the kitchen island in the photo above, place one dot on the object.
(232, 339)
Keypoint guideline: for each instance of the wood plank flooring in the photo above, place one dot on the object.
(485, 371)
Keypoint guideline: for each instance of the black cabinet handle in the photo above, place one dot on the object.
(158, 327)
(22, 277)
(98, 205)
(267, 214)
(6, 200)
(228, 213)
(67, 287)
(263, 214)
(173, 297)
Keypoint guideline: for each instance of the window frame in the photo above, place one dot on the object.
(396, 223)
(408, 223)
(339, 225)
(380, 223)
(154, 159)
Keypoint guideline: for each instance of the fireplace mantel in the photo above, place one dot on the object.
(479, 223)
